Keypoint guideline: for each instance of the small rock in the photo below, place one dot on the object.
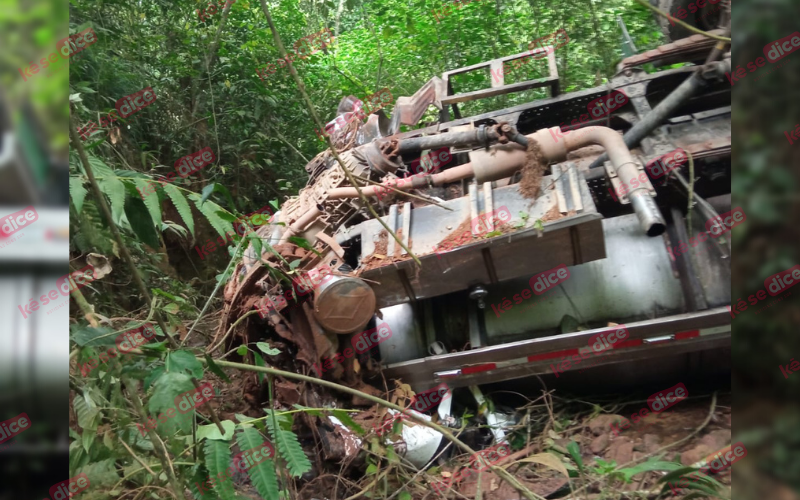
(602, 423)
(718, 439)
(651, 443)
(599, 443)
(621, 450)
(696, 454)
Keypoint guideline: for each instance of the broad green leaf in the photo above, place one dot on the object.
(287, 445)
(181, 205)
(575, 452)
(351, 424)
(218, 461)
(262, 475)
(90, 337)
(259, 362)
(141, 222)
(211, 431)
(267, 349)
(167, 388)
(178, 361)
(89, 417)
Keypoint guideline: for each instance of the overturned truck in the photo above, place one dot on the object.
(542, 239)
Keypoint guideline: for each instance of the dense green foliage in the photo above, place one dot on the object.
(209, 95)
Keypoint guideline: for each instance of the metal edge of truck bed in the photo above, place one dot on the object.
(681, 333)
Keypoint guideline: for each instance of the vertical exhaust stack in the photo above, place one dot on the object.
(646, 210)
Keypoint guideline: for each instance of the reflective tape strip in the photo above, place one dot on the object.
(687, 334)
(477, 369)
(551, 355)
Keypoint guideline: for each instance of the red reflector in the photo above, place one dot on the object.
(551, 355)
(629, 343)
(476, 369)
(687, 334)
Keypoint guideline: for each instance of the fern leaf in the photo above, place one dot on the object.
(199, 491)
(209, 209)
(151, 202)
(115, 190)
(296, 461)
(110, 185)
(181, 205)
(262, 475)
(218, 459)
(77, 193)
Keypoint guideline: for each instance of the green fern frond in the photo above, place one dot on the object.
(196, 484)
(218, 459)
(77, 193)
(288, 446)
(262, 475)
(110, 185)
(151, 201)
(181, 205)
(209, 209)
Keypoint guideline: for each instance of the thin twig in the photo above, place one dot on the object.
(136, 457)
(239, 320)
